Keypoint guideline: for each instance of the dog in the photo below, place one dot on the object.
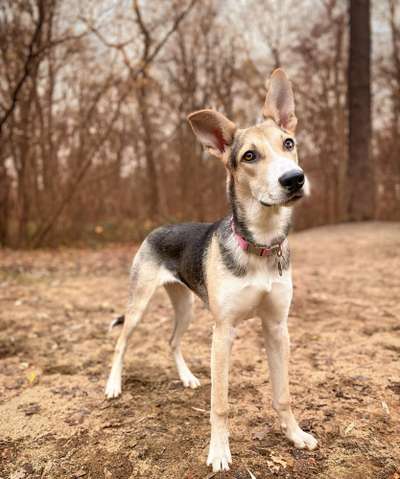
(239, 266)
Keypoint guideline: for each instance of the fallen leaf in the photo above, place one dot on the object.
(32, 377)
(279, 460)
(30, 409)
(80, 473)
(18, 474)
(385, 407)
(349, 428)
(272, 466)
(259, 435)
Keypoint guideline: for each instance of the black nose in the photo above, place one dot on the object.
(292, 180)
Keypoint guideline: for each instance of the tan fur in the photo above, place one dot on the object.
(267, 139)
(279, 103)
(205, 121)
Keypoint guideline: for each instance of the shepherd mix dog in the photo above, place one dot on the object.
(239, 266)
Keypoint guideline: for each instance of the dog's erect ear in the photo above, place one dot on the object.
(279, 103)
(213, 130)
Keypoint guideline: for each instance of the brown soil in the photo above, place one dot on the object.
(345, 369)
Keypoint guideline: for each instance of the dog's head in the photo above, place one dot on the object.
(262, 159)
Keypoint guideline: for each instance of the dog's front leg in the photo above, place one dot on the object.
(274, 321)
(219, 455)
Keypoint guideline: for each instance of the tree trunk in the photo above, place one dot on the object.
(361, 184)
(152, 196)
(4, 205)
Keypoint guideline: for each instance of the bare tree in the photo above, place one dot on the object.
(142, 81)
(93, 108)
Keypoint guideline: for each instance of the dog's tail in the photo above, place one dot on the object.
(117, 322)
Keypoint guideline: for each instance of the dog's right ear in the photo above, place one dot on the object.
(279, 103)
(213, 130)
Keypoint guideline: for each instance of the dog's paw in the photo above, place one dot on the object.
(113, 387)
(189, 380)
(219, 455)
(302, 439)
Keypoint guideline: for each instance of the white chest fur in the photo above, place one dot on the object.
(240, 296)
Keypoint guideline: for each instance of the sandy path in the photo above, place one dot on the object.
(345, 369)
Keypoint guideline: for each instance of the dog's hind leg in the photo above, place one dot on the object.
(182, 302)
(144, 281)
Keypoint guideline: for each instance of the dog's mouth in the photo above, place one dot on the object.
(294, 197)
(291, 199)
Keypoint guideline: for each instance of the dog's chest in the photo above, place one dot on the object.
(244, 294)
(260, 276)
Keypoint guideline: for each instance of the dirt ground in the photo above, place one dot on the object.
(55, 353)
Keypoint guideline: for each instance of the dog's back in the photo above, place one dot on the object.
(181, 250)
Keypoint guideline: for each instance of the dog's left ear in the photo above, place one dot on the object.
(279, 103)
(213, 130)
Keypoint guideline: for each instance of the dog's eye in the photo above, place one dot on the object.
(249, 156)
(288, 144)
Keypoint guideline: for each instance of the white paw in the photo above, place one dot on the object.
(189, 381)
(219, 455)
(302, 439)
(113, 388)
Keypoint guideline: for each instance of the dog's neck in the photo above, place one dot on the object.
(258, 224)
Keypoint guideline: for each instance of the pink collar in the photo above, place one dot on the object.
(257, 249)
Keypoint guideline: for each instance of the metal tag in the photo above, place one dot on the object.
(280, 267)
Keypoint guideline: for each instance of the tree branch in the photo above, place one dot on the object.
(32, 55)
(149, 55)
